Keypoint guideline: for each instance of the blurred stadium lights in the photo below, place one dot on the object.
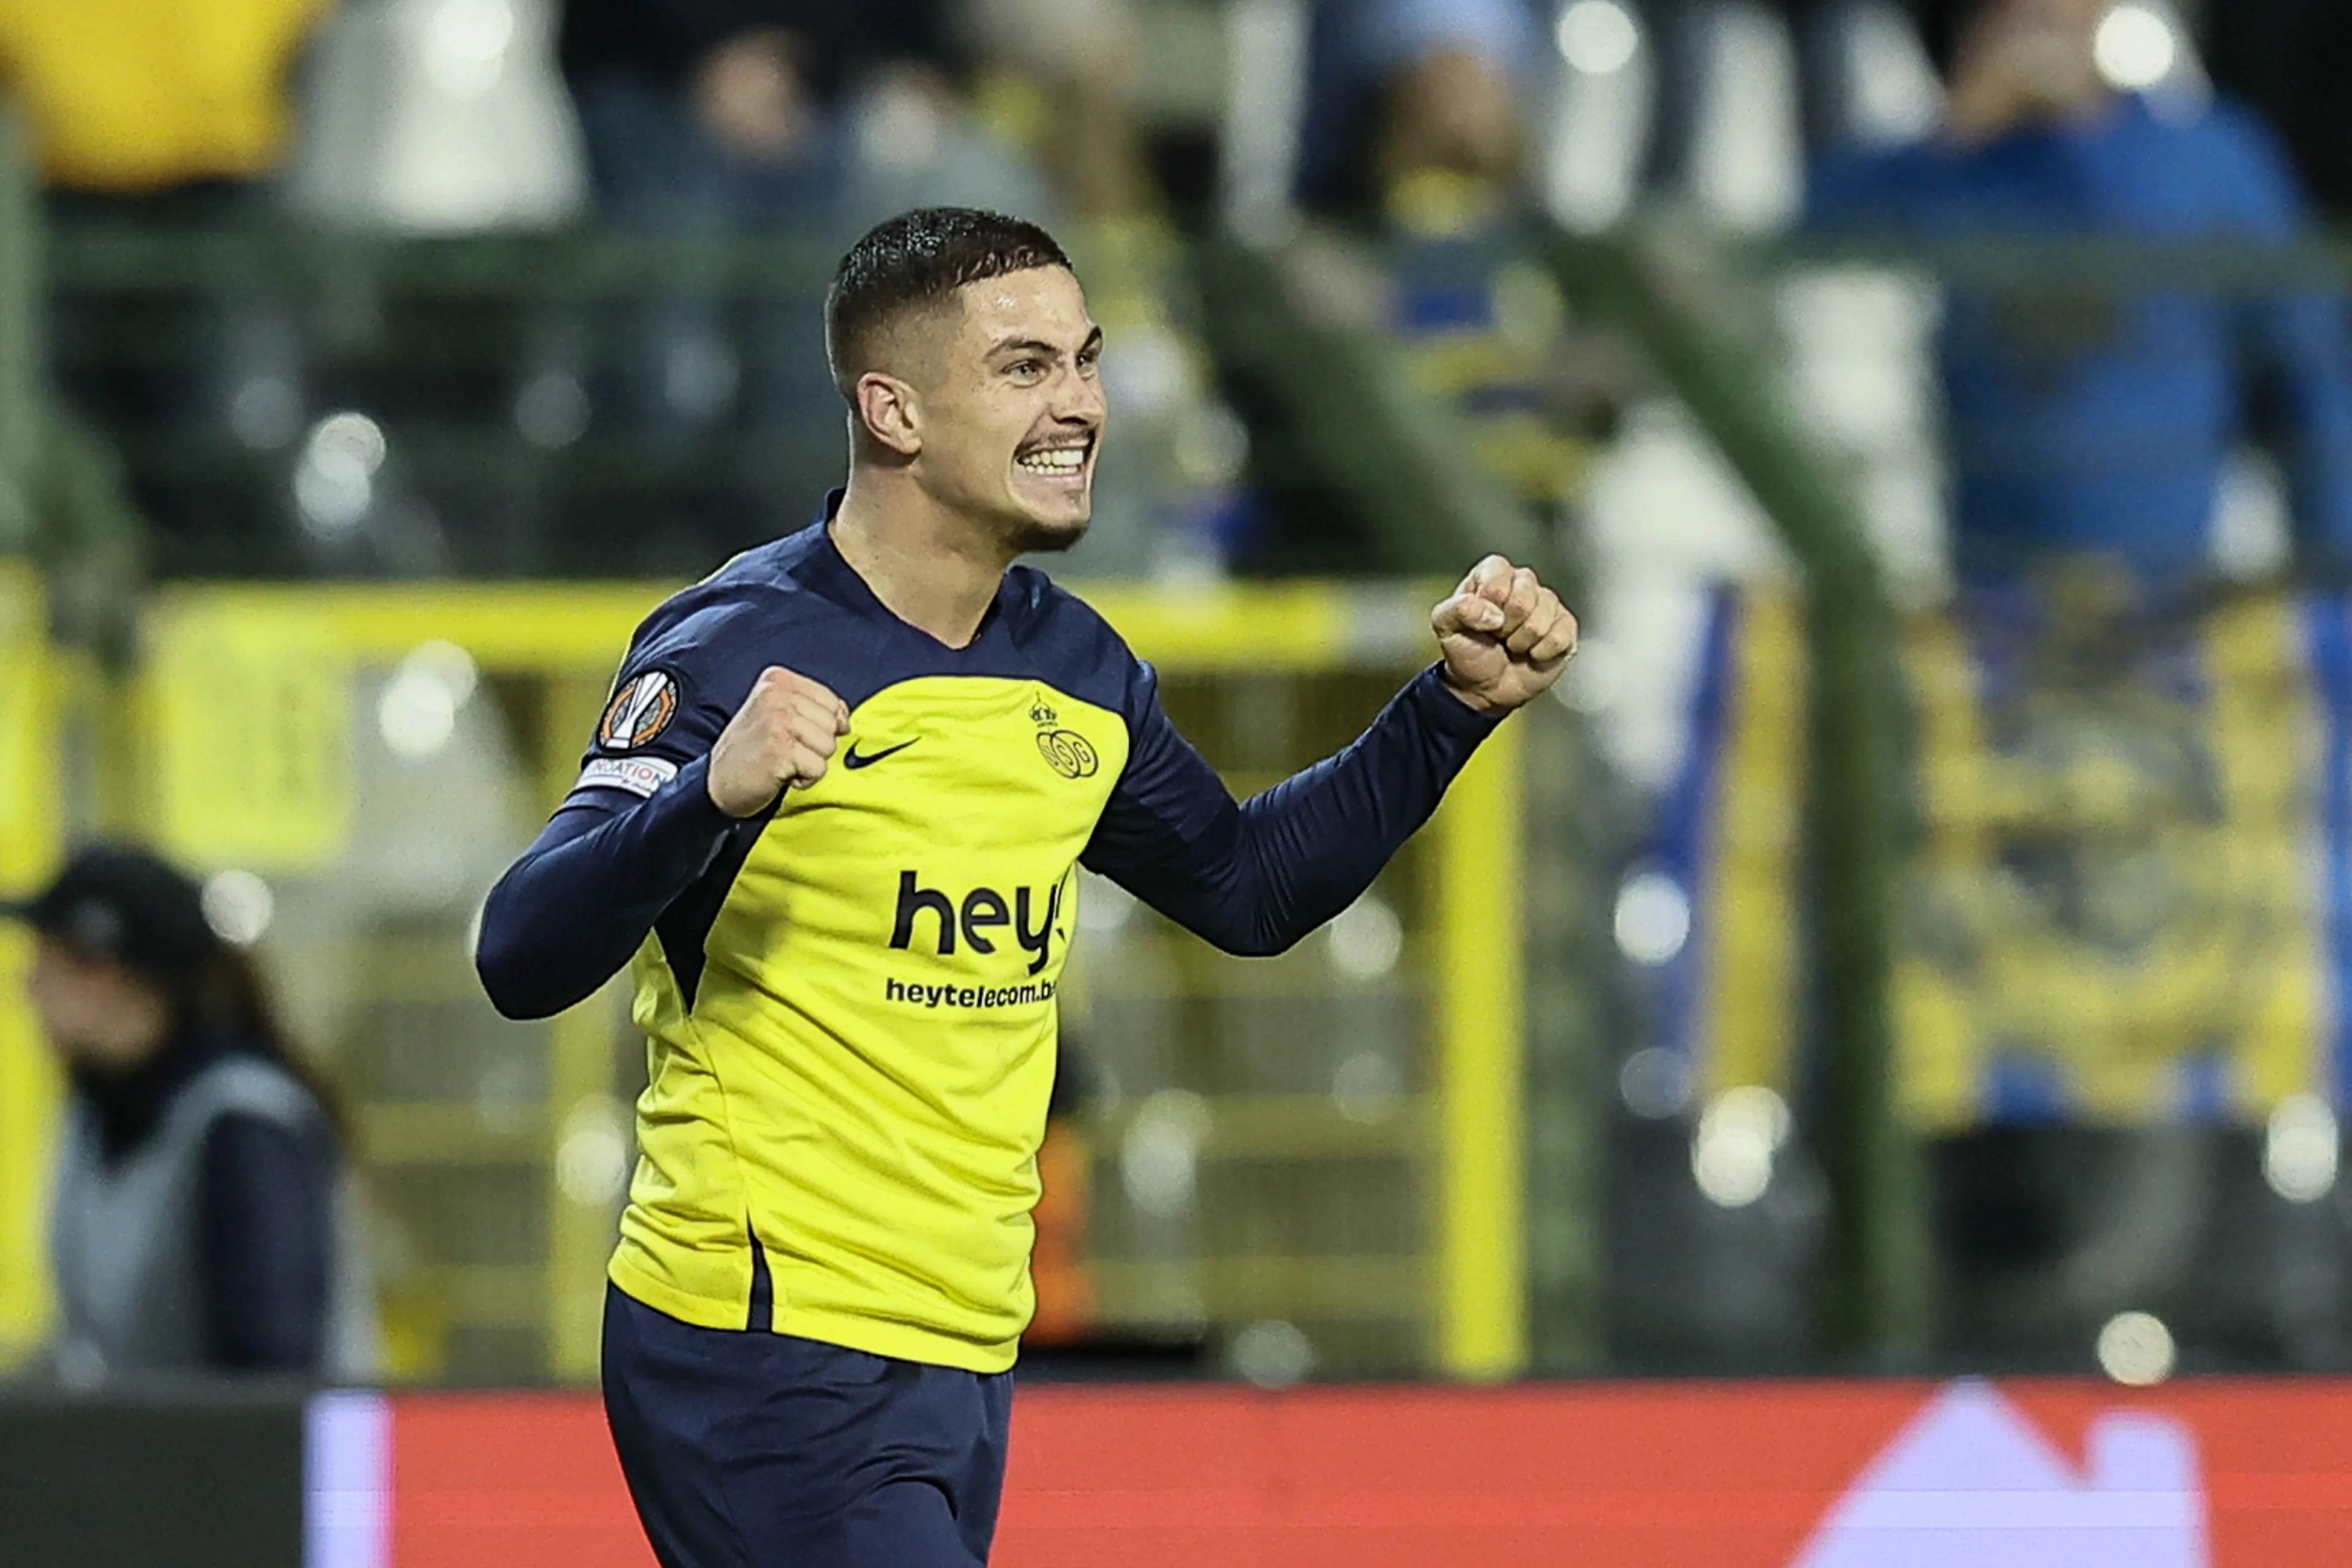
(474, 923)
(238, 906)
(506, 1097)
(1158, 1159)
(2137, 1349)
(266, 411)
(2300, 1148)
(591, 1153)
(1366, 938)
(1272, 1353)
(1655, 1083)
(1896, 95)
(417, 712)
(1598, 37)
(1653, 918)
(550, 412)
(1738, 1134)
(466, 44)
(2138, 45)
(1366, 1089)
(334, 484)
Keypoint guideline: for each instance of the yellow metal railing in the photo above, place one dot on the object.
(252, 737)
(1481, 1028)
(31, 828)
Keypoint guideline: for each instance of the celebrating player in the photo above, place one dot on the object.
(836, 811)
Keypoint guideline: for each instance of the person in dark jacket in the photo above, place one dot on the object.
(200, 1222)
(715, 119)
(725, 109)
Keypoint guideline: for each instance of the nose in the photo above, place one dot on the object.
(1078, 396)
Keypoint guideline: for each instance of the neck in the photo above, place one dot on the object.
(931, 566)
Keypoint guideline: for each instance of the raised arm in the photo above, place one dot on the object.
(1252, 878)
(653, 810)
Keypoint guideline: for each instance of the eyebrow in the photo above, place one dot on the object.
(1039, 347)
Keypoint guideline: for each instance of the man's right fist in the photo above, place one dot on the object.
(782, 736)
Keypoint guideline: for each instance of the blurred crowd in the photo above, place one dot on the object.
(1427, 140)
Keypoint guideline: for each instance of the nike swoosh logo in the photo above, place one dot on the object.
(853, 760)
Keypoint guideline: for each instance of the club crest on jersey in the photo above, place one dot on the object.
(1066, 752)
(641, 710)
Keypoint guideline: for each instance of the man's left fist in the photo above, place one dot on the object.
(1504, 636)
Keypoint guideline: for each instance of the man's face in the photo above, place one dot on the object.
(1012, 409)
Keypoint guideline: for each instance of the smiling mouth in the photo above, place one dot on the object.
(1060, 461)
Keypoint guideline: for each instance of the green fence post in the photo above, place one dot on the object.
(1571, 952)
(1875, 1287)
(1388, 452)
(1394, 456)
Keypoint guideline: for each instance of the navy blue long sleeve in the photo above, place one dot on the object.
(265, 1217)
(1254, 878)
(640, 847)
(1251, 879)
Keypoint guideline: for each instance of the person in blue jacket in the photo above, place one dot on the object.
(2092, 421)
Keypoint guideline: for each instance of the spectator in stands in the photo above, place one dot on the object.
(136, 100)
(160, 113)
(1066, 74)
(2098, 423)
(750, 117)
(1416, 137)
(731, 115)
(199, 1222)
(1398, 87)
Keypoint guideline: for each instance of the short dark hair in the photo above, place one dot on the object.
(917, 259)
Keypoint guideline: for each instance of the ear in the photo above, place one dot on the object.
(886, 407)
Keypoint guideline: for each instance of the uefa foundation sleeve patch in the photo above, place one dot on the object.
(638, 775)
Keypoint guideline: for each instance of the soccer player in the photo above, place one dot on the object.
(835, 811)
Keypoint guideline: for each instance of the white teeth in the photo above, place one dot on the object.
(1056, 460)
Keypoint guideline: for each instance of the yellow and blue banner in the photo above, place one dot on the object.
(2127, 891)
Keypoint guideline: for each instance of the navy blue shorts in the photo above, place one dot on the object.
(748, 1450)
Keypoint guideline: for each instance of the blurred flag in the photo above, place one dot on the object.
(2127, 891)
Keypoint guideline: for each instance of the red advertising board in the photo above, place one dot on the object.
(2241, 1474)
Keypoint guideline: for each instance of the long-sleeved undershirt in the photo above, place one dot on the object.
(1250, 876)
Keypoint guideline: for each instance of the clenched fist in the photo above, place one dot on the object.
(782, 736)
(1504, 636)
